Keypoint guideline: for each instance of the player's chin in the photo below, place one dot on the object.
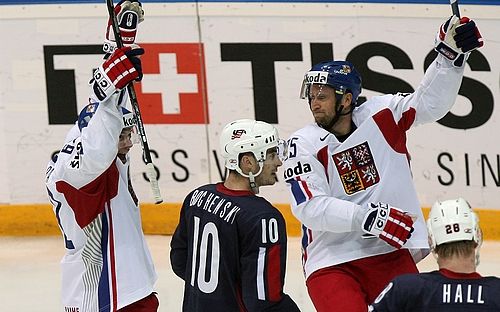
(124, 151)
(320, 118)
(274, 179)
(270, 182)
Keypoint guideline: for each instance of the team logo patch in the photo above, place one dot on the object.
(237, 134)
(356, 168)
(346, 69)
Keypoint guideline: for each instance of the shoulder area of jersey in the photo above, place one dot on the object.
(378, 101)
(310, 132)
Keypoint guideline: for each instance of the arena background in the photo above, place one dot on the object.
(210, 62)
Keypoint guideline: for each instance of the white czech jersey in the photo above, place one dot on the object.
(330, 180)
(107, 264)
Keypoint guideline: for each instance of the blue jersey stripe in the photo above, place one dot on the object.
(297, 192)
(104, 287)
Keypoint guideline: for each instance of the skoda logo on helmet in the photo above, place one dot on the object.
(317, 77)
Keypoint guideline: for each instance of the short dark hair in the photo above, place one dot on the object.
(459, 248)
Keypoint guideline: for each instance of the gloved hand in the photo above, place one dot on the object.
(456, 38)
(387, 223)
(129, 14)
(123, 66)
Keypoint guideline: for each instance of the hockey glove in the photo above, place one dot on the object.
(116, 72)
(387, 223)
(129, 14)
(456, 38)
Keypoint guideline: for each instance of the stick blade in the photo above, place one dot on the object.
(153, 182)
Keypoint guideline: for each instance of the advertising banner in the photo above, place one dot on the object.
(209, 63)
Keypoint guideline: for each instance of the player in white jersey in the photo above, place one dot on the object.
(455, 238)
(107, 265)
(349, 170)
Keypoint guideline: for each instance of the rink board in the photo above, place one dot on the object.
(208, 63)
(39, 220)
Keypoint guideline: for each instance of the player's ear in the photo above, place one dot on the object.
(247, 162)
(347, 99)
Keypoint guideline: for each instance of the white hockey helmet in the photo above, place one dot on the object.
(247, 135)
(451, 221)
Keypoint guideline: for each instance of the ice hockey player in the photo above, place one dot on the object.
(230, 245)
(349, 174)
(107, 265)
(455, 238)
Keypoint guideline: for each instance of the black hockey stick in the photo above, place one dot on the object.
(454, 8)
(150, 170)
(456, 11)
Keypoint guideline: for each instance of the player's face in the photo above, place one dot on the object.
(322, 99)
(270, 168)
(125, 142)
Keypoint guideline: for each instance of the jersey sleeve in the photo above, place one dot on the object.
(312, 201)
(263, 261)
(432, 99)
(92, 153)
(179, 245)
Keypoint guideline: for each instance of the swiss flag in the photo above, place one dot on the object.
(173, 88)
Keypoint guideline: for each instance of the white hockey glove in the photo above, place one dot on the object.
(387, 223)
(118, 70)
(129, 14)
(456, 38)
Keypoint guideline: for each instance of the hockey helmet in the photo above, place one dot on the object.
(247, 135)
(340, 75)
(452, 221)
(89, 111)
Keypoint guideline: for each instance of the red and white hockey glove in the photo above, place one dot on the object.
(129, 14)
(387, 223)
(456, 38)
(121, 67)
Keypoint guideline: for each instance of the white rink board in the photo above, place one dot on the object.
(27, 138)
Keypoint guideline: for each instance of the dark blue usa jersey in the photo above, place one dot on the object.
(230, 250)
(443, 291)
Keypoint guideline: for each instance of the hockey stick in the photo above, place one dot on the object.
(454, 8)
(150, 170)
(456, 11)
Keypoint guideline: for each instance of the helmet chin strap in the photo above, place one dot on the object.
(253, 185)
(251, 177)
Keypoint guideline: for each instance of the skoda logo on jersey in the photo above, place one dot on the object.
(128, 121)
(317, 77)
(298, 169)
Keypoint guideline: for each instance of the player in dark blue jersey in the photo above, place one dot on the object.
(455, 239)
(230, 245)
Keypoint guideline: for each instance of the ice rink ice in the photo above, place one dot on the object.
(30, 275)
